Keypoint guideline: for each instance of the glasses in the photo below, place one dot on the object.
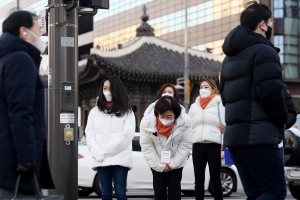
(270, 22)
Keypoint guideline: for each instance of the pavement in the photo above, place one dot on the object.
(148, 194)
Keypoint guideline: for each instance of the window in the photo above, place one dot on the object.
(297, 104)
(291, 26)
(291, 71)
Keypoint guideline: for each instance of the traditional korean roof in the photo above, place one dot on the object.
(149, 59)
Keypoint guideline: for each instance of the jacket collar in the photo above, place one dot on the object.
(212, 103)
(10, 43)
(242, 37)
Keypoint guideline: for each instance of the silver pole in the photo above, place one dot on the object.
(62, 98)
(186, 61)
(18, 4)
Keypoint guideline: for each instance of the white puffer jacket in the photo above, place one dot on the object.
(181, 139)
(205, 122)
(109, 138)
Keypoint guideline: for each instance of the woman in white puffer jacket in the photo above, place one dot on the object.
(166, 130)
(207, 138)
(109, 133)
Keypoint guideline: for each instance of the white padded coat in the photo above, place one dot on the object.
(151, 146)
(109, 138)
(205, 121)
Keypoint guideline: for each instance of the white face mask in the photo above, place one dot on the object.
(107, 95)
(167, 94)
(40, 43)
(166, 122)
(204, 93)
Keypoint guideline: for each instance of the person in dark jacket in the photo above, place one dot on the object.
(252, 92)
(22, 118)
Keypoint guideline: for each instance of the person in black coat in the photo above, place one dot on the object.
(22, 118)
(252, 92)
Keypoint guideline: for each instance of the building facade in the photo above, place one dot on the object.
(209, 21)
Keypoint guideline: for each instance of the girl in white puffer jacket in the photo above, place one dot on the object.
(109, 133)
(166, 131)
(207, 138)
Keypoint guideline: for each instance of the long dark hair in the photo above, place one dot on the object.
(161, 91)
(119, 97)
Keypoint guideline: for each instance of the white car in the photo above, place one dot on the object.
(140, 176)
(291, 157)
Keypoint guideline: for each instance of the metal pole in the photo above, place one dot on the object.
(18, 4)
(63, 92)
(186, 61)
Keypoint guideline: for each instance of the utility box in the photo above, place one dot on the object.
(99, 4)
(67, 96)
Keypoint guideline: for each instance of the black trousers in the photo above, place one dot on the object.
(261, 171)
(164, 180)
(210, 153)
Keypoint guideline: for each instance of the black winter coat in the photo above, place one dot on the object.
(22, 117)
(292, 114)
(251, 90)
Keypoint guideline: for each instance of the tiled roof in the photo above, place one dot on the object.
(149, 59)
(153, 59)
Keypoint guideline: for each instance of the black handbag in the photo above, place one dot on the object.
(38, 194)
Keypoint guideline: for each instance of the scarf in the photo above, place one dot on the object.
(205, 100)
(109, 104)
(164, 130)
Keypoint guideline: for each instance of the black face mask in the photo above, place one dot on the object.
(269, 33)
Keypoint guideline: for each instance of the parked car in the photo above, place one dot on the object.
(292, 159)
(140, 176)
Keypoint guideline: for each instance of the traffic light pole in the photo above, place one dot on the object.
(186, 62)
(63, 93)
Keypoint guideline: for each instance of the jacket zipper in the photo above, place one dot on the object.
(110, 123)
(202, 127)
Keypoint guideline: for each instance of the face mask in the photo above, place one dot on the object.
(166, 122)
(204, 92)
(167, 94)
(40, 43)
(108, 95)
(268, 33)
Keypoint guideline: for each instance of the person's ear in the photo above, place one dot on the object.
(262, 26)
(23, 33)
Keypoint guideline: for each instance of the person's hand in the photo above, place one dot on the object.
(25, 169)
(222, 127)
(99, 158)
(167, 168)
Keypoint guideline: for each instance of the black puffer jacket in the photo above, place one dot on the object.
(292, 114)
(251, 90)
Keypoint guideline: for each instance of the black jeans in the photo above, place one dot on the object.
(164, 180)
(261, 171)
(210, 153)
